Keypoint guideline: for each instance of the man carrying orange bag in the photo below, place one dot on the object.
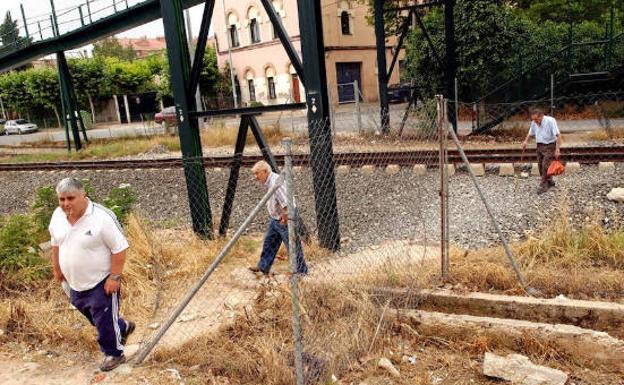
(548, 138)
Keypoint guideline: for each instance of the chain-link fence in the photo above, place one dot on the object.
(406, 211)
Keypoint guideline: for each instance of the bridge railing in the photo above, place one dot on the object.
(48, 25)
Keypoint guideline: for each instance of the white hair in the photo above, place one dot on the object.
(69, 185)
(261, 166)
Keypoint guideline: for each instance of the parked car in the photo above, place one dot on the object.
(2, 121)
(399, 93)
(168, 114)
(19, 126)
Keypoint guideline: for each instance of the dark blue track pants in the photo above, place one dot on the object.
(102, 311)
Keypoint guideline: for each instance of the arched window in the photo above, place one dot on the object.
(278, 9)
(251, 85)
(345, 23)
(233, 30)
(270, 75)
(254, 25)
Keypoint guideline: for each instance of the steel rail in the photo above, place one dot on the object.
(380, 159)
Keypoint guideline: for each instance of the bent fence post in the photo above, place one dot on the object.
(193, 291)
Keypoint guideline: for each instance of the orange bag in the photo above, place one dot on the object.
(555, 168)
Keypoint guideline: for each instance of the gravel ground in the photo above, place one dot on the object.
(372, 208)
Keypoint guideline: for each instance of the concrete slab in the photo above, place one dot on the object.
(603, 316)
(572, 167)
(368, 169)
(506, 169)
(393, 169)
(420, 169)
(534, 169)
(478, 169)
(606, 167)
(590, 347)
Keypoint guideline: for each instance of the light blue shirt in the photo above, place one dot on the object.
(545, 133)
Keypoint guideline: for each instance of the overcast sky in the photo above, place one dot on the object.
(38, 14)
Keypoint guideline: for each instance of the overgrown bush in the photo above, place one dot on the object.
(19, 250)
(120, 201)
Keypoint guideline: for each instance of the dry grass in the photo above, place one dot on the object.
(223, 136)
(614, 133)
(157, 263)
(586, 262)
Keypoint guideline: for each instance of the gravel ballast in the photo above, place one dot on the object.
(372, 207)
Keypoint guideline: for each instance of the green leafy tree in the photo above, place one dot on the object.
(89, 74)
(14, 93)
(566, 11)
(9, 34)
(213, 83)
(127, 77)
(111, 47)
(43, 87)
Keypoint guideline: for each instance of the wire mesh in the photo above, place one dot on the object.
(354, 299)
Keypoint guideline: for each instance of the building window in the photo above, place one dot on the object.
(252, 90)
(234, 36)
(274, 32)
(345, 23)
(254, 29)
(271, 84)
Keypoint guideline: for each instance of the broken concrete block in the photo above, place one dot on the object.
(616, 195)
(450, 170)
(420, 169)
(393, 169)
(606, 167)
(385, 363)
(535, 169)
(478, 169)
(521, 371)
(342, 170)
(506, 169)
(572, 167)
(368, 169)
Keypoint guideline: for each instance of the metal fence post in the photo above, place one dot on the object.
(552, 94)
(292, 253)
(141, 355)
(332, 112)
(358, 111)
(440, 121)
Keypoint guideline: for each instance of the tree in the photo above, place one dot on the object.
(213, 83)
(43, 87)
(111, 47)
(566, 11)
(90, 75)
(9, 34)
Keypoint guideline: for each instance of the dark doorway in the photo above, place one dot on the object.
(295, 88)
(346, 74)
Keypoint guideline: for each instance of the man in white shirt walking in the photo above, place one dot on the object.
(548, 138)
(277, 232)
(88, 252)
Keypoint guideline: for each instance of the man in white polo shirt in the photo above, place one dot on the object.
(88, 252)
(548, 138)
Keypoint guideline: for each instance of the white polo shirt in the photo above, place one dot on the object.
(85, 248)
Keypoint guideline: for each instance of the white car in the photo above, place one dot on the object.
(19, 126)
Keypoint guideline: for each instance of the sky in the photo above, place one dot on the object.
(38, 14)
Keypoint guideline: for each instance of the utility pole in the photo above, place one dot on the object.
(229, 44)
(189, 36)
(451, 60)
(380, 40)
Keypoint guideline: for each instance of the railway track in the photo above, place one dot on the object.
(401, 158)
